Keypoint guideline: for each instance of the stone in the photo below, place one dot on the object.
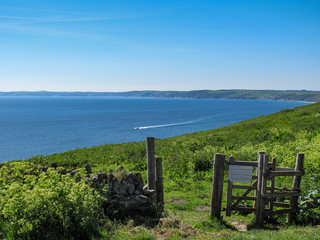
(130, 178)
(88, 168)
(99, 177)
(149, 192)
(130, 188)
(98, 180)
(137, 192)
(138, 181)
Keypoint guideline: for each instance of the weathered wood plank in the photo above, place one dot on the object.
(240, 198)
(283, 169)
(229, 192)
(151, 166)
(259, 185)
(272, 185)
(217, 185)
(263, 189)
(296, 185)
(280, 189)
(244, 209)
(252, 187)
(282, 194)
(281, 204)
(245, 163)
(285, 173)
(282, 211)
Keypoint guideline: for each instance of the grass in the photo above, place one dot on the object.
(187, 168)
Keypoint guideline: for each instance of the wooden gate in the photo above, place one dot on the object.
(260, 189)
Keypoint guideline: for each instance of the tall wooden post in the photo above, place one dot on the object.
(296, 186)
(263, 189)
(272, 184)
(217, 185)
(229, 191)
(151, 164)
(159, 184)
(258, 203)
(257, 174)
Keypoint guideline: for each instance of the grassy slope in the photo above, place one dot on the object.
(187, 164)
(281, 135)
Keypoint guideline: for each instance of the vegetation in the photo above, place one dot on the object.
(289, 95)
(40, 203)
(33, 202)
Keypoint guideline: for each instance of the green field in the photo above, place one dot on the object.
(34, 205)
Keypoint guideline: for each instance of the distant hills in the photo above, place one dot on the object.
(283, 95)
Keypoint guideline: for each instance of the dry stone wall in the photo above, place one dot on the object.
(125, 193)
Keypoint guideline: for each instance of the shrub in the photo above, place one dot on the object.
(310, 208)
(46, 205)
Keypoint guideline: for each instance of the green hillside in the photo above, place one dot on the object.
(281, 135)
(187, 163)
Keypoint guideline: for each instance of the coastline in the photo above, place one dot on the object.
(268, 95)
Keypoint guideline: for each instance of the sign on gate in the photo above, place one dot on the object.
(239, 173)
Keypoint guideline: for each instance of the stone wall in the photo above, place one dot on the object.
(125, 193)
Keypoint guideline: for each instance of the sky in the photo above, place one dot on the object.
(124, 45)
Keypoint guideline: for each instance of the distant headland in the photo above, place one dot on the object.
(281, 95)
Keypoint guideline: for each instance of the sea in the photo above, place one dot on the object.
(32, 126)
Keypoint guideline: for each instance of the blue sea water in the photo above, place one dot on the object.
(32, 126)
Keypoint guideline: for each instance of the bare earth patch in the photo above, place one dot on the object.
(176, 201)
(240, 226)
(202, 208)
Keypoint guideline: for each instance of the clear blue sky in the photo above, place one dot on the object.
(120, 45)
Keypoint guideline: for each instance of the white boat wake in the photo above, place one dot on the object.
(168, 125)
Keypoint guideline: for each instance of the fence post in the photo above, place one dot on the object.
(151, 164)
(159, 184)
(229, 191)
(272, 184)
(217, 185)
(263, 189)
(296, 186)
(257, 174)
(261, 155)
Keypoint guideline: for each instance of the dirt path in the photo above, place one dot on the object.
(240, 226)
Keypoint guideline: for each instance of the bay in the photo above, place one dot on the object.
(32, 126)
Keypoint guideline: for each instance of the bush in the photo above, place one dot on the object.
(310, 208)
(46, 205)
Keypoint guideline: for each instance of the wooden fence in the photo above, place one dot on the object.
(262, 184)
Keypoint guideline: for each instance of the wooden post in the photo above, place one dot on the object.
(151, 164)
(257, 174)
(263, 189)
(217, 185)
(159, 184)
(272, 184)
(296, 186)
(229, 192)
(259, 185)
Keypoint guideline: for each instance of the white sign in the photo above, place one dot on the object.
(239, 173)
